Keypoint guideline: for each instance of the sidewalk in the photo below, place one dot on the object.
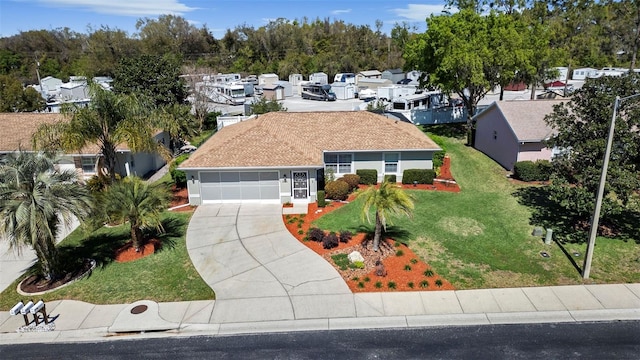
(77, 321)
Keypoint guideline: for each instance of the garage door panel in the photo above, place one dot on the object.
(229, 177)
(211, 193)
(270, 192)
(250, 192)
(210, 177)
(269, 176)
(250, 177)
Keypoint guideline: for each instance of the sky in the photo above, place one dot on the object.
(218, 15)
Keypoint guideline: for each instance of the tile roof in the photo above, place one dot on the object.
(526, 118)
(17, 129)
(299, 139)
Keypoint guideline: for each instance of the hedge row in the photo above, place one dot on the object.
(419, 176)
(368, 176)
(532, 171)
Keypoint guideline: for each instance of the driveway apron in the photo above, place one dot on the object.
(258, 270)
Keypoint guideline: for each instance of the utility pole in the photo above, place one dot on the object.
(603, 177)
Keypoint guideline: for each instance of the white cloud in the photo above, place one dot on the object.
(126, 7)
(343, 11)
(418, 12)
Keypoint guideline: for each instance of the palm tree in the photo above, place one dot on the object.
(108, 120)
(35, 200)
(387, 201)
(138, 202)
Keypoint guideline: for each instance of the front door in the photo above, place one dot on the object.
(300, 185)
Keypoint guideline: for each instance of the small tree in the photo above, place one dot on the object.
(138, 202)
(264, 106)
(386, 201)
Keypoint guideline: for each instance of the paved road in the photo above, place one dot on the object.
(613, 340)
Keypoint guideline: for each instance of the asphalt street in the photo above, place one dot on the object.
(603, 340)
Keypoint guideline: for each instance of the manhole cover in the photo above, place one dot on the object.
(139, 309)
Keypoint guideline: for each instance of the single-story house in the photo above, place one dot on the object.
(50, 84)
(512, 131)
(282, 157)
(394, 75)
(18, 129)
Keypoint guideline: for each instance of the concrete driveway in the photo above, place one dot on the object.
(258, 270)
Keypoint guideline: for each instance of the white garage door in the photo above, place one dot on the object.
(218, 186)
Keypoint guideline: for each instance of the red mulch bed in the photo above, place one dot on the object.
(127, 253)
(36, 284)
(365, 280)
(180, 197)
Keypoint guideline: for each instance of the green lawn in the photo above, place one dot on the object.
(167, 275)
(481, 237)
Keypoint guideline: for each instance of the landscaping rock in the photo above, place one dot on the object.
(356, 256)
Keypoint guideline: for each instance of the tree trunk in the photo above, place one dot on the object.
(377, 233)
(136, 237)
(48, 257)
(109, 154)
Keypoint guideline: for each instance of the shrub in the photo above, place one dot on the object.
(345, 236)
(300, 232)
(407, 267)
(366, 279)
(428, 273)
(361, 285)
(391, 285)
(355, 278)
(532, 171)
(378, 285)
(368, 176)
(399, 253)
(438, 158)
(353, 180)
(424, 284)
(390, 178)
(341, 261)
(330, 240)
(337, 190)
(358, 265)
(178, 177)
(422, 176)
(315, 234)
(413, 261)
(439, 283)
(321, 200)
(410, 284)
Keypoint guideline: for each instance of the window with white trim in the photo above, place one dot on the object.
(391, 163)
(339, 163)
(89, 164)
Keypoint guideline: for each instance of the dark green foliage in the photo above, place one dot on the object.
(399, 253)
(210, 121)
(439, 283)
(424, 284)
(345, 236)
(391, 285)
(337, 190)
(378, 285)
(179, 177)
(366, 279)
(368, 176)
(153, 76)
(407, 267)
(428, 273)
(341, 261)
(330, 241)
(321, 199)
(410, 284)
(413, 261)
(353, 180)
(532, 171)
(315, 234)
(422, 176)
(390, 178)
(361, 285)
(438, 158)
(99, 182)
(264, 106)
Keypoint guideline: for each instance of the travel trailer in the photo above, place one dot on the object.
(318, 92)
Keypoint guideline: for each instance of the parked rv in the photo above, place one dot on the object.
(318, 92)
(388, 93)
(232, 94)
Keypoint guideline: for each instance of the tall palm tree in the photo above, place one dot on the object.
(35, 200)
(138, 202)
(387, 201)
(108, 120)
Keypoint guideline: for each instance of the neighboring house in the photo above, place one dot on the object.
(50, 84)
(512, 131)
(368, 74)
(18, 129)
(394, 75)
(282, 156)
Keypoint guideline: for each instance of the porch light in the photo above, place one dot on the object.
(284, 177)
(193, 179)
